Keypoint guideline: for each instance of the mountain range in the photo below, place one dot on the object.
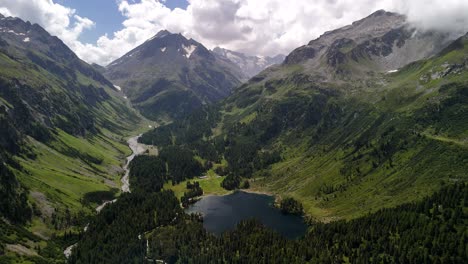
(169, 75)
(365, 117)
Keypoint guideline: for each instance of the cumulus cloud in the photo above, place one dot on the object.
(250, 26)
(442, 15)
(265, 27)
(57, 19)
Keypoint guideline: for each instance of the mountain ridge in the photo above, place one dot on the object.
(61, 138)
(381, 42)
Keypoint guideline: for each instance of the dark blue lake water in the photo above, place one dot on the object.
(222, 213)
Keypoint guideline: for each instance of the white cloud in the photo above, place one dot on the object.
(251, 26)
(264, 27)
(57, 19)
(443, 15)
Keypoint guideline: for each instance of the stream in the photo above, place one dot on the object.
(137, 149)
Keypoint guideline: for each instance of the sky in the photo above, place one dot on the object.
(105, 14)
(100, 31)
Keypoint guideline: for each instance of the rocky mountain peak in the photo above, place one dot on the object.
(248, 64)
(384, 39)
(168, 45)
(169, 71)
(162, 34)
(19, 33)
(374, 25)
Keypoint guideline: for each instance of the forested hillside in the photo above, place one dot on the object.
(341, 148)
(62, 139)
(150, 226)
(361, 136)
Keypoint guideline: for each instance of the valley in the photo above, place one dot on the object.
(137, 149)
(350, 149)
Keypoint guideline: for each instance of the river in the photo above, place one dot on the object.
(137, 149)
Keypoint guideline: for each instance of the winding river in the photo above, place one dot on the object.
(137, 149)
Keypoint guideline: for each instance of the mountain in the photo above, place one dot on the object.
(55, 86)
(389, 158)
(249, 65)
(169, 76)
(62, 129)
(368, 116)
(381, 42)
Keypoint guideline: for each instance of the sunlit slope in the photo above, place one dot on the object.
(347, 150)
(63, 130)
(343, 148)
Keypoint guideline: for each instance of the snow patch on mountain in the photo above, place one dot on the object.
(189, 50)
(16, 33)
(6, 30)
(133, 53)
(250, 65)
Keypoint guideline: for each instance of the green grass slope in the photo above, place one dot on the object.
(341, 148)
(63, 131)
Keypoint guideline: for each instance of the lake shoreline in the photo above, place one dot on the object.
(224, 212)
(277, 197)
(237, 190)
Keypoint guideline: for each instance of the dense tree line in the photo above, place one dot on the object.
(175, 164)
(147, 173)
(193, 190)
(181, 163)
(187, 130)
(291, 206)
(434, 230)
(117, 234)
(13, 198)
(231, 182)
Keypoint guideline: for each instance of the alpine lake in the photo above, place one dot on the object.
(223, 213)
